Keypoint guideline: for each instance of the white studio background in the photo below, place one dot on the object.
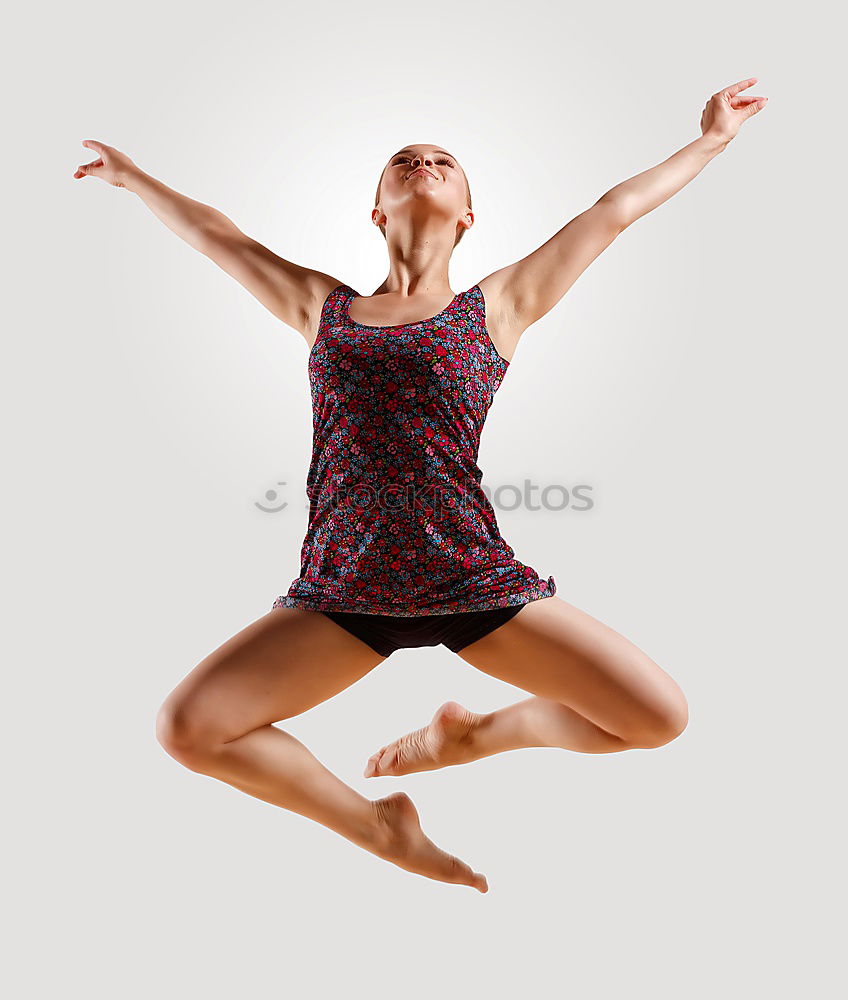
(690, 377)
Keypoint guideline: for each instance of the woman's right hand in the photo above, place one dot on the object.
(111, 164)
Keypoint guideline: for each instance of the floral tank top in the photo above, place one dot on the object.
(398, 521)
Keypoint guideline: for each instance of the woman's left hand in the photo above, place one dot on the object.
(724, 112)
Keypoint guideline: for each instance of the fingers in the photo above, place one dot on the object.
(744, 103)
(755, 106)
(734, 90)
(748, 105)
(85, 169)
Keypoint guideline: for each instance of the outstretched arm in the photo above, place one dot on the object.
(291, 292)
(720, 121)
(528, 289)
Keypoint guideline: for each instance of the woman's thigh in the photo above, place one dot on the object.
(554, 650)
(282, 664)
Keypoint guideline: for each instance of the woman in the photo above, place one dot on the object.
(402, 547)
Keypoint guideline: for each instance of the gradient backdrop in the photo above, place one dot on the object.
(691, 377)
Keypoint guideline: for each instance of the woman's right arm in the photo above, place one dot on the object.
(294, 294)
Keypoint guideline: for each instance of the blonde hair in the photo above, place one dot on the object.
(461, 232)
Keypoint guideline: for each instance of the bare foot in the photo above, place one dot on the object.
(402, 841)
(446, 741)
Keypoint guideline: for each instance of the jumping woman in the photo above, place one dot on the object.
(402, 547)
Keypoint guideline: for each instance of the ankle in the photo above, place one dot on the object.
(476, 743)
(379, 831)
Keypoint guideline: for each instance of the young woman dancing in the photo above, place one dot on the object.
(402, 546)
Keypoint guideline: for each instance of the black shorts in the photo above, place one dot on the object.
(386, 633)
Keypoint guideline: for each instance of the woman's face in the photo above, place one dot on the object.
(423, 178)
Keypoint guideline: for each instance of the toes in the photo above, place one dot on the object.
(475, 879)
(372, 768)
(387, 761)
(463, 874)
(480, 882)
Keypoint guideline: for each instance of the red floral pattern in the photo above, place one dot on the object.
(398, 521)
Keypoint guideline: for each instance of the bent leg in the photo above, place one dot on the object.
(572, 661)
(219, 721)
(595, 692)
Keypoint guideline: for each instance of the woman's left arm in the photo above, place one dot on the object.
(721, 119)
(524, 291)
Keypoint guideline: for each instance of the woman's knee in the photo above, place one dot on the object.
(664, 723)
(185, 731)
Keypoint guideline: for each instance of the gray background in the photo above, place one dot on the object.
(692, 377)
